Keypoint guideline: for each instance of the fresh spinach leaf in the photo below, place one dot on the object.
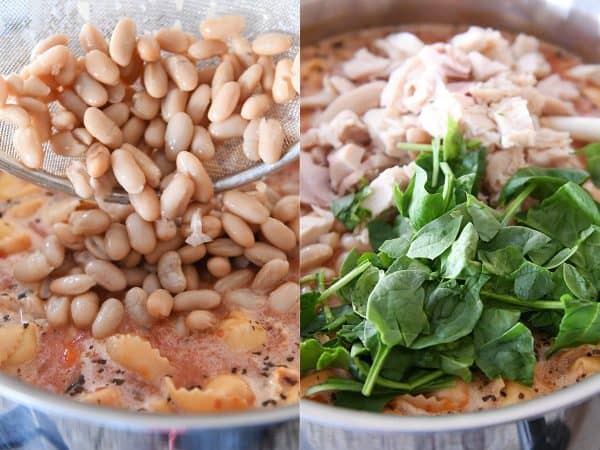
(453, 141)
(546, 321)
(310, 351)
(504, 353)
(545, 180)
(314, 355)
(565, 214)
(355, 400)
(435, 238)
(308, 311)
(424, 206)
(350, 262)
(592, 155)
(580, 324)
(348, 209)
(406, 263)
(469, 170)
(379, 232)
(362, 289)
(395, 307)
(484, 218)
(520, 237)
(453, 358)
(452, 311)
(462, 251)
(532, 282)
(395, 248)
(501, 262)
(579, 286)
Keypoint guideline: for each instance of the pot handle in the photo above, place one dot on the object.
(539, 434)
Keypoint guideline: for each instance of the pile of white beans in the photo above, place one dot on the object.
(177, 249)
(94, 268)
(143, 113)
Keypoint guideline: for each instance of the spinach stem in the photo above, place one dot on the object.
(410, 147)
(426, 379)
(448, 183)
(320, 280)
(515, 204)
(384, 382)
(436, 161)
(337, 384)
(328, 314)
(309, 278)
(382, 353)
(531, 304)
(340, 283)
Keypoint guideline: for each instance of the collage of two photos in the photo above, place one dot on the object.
(299, 225)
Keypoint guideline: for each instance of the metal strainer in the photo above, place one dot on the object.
(25, 22)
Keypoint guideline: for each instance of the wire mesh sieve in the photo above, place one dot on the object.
(25, 22)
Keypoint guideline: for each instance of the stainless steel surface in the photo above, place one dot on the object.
(25, 22)
(34, 419)
(563, 420)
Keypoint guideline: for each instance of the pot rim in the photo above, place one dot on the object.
(334, 416)
(54, 404)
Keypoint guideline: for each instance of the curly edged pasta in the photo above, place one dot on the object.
(222, 393)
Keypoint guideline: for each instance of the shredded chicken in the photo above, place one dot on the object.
(382, 188)
(197, 236)
(498, 89)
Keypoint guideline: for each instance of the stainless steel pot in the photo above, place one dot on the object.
(34, 419)
(567, 419)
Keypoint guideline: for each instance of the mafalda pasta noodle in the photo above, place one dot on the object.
(398, 316)
(182, 300)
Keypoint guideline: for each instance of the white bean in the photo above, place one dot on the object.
(28, 145)
(84, 309)
(72, 284)
(135, 305)
(57, 311)
(271, 44)
(108, 319)
(179, 134)
(246, 207)
(123, 42)
(102, 128)
(32, 267)
(222, 27)
(116, 242)
(191, 166)
(250, 140)
(106, 274)
(160, 304)
(285, 298)
(141, 234)
(270, 140)
(127, 171)
(101, 67)
(170, 272)
(198, 299)
(176, 196)
(156, 80)
(182, 72)
(224, 102)
(233, 127)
